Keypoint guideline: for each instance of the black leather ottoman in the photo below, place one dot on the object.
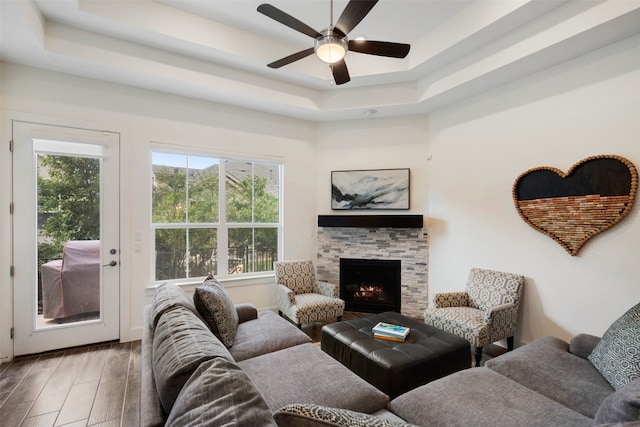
(395, 367)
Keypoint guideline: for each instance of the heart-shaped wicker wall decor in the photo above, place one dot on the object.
(571, 208)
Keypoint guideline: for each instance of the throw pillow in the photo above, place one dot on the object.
(309, 415)
(617, 355)
(621, 406)
(215, 306)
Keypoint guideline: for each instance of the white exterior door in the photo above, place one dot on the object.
(66, 247)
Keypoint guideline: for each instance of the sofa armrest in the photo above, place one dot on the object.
(328, 289)
(451, 299)
(246, 312)
(504, 314)
(583, 344)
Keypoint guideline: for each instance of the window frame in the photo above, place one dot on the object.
(222, 225)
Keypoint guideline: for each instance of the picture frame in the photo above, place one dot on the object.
(370, 189)
(574, 206)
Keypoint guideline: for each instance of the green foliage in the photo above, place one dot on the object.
(69, 195)
(248, 200)
(170, 189)
(203, 196)
(169, 195)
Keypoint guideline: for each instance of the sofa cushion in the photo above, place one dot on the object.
(219, 394)
(305, 374)
(180, 344)
(167, 297)
(307, 415)
(621, 406)
(617, 354)
(217, 309)
(547, 367)
(268, 333)
(480, 397)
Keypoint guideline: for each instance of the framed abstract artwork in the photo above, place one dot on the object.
(370, 189)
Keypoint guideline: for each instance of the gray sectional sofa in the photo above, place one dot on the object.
(271, 374)
(190, 378)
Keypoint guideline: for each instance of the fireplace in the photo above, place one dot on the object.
(370, 285)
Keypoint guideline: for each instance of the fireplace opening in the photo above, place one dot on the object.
(370, 285)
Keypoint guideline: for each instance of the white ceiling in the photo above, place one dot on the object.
(217, 50)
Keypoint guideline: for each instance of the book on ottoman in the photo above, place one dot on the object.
(388, 338)
(389, 330)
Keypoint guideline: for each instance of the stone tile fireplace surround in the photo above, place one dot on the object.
(407, 244)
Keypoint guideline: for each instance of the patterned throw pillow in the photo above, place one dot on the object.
(617, 355)
(309, 415)
(217, 309)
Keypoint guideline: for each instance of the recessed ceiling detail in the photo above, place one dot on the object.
(217, 50)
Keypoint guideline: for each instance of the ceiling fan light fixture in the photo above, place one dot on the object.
(330, 48)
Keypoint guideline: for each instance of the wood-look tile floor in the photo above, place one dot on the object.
(88, 386)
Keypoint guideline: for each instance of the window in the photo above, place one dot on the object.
(214, 215)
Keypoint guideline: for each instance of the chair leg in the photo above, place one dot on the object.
(510, 343)
(478, 356)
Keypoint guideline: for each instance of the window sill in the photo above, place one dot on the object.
(188, 285)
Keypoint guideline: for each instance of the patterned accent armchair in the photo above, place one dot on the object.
(301, 297)
(485, 313)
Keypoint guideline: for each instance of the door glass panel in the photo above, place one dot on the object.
(68, 239)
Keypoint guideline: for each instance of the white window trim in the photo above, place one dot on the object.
(244, 279)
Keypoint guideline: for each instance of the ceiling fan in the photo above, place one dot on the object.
(332, 44)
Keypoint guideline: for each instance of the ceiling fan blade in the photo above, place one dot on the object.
(393, 50)
(291, 58)
(340, 72)
(353, 13)
(288, 20)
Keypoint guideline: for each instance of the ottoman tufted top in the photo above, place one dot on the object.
(395, 367)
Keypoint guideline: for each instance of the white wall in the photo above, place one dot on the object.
(380, 143)
(588, 106)
(584, 107)
(142, 117)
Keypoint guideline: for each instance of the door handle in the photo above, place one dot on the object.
(111, 264)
